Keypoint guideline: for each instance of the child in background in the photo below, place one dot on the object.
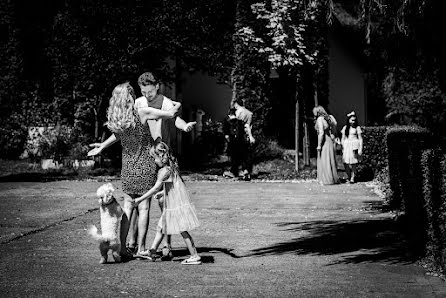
(351, 146)
(179, 215)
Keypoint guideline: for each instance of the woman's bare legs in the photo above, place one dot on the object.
(133, 230)
(125, 222)
(143, 223)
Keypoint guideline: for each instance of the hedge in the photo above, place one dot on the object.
(434, 197)
(374, 156)
(405, 145)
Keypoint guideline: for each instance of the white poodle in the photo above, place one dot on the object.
(111, 214)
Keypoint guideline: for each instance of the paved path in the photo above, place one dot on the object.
(256, 240)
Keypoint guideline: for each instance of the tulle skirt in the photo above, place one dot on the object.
(179, 214)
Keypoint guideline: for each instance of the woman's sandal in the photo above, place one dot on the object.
(131, 250)
(167, 254)
(145, 254)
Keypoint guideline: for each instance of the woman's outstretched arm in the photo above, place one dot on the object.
(98, 147)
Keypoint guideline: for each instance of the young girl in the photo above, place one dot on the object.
(179, 215)
(352, 146)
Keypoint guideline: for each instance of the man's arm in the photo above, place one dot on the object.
(182, 125)
(249, 132)
(153, 114)
(179, 122)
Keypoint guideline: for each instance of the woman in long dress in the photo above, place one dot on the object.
(326, 156)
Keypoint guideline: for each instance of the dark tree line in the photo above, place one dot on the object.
(59, 60)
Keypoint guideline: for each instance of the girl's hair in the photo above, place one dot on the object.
(163, 151)
(347, 126)
(319, 111)
(120, 113)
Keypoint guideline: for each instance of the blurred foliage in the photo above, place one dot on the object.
(415, 98)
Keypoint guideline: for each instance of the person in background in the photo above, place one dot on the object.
(245, 115)
(351, 146)
(237, 146)
(326, 156)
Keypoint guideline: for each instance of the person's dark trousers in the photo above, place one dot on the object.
(246, 159)
(236, 155)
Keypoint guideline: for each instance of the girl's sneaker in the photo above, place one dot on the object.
(193, 260)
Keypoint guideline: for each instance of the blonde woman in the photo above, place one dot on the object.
(139, 171)
(326, 157)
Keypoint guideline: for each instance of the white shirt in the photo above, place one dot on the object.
(155, 126)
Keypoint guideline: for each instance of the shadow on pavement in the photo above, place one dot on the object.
(374, 240)
(201, 250)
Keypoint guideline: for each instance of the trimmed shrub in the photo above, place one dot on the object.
(374, 156)
(442, 210)
(434, 207)
(404, 145)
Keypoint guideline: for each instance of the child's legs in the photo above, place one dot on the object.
(354, 171)
(168, 238)
(348, 171)
(169, 241)
(143, 223)
(189, 243)
(157, 240)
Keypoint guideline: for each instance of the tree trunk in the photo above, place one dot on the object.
(238, 50)
(297, 134)
(306, 145)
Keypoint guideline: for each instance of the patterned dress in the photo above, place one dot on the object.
(139, 170)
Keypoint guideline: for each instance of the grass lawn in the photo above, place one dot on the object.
(275, 169)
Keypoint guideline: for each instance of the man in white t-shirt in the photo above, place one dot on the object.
(149, 86)
(242, 113)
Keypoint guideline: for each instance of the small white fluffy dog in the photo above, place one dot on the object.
(111, 214)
